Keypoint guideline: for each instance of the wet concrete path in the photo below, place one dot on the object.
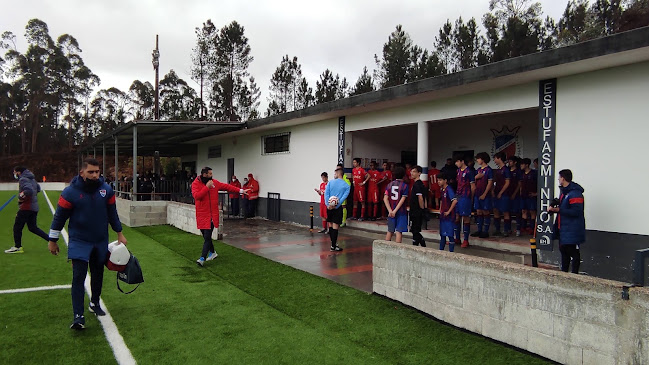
(295, 246)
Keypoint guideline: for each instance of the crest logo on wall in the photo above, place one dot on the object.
(506, 140)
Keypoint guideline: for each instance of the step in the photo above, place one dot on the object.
(377, 230)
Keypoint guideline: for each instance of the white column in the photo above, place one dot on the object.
(422, 148)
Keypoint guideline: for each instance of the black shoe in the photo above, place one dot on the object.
(335, 248)
(79, 322)
(96, 309)
(506, 234)
(422, 243)
(484, 235)
(361, 219)
(476, 234)
(373, 219)
(322, 231)
(498, 234)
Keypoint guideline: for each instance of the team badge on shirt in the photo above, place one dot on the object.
(102, 192)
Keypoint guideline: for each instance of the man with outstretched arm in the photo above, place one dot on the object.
(205, 190)
(89, 204)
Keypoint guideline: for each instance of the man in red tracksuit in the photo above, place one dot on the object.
(234, 197)
(205, 191)
(253, 196)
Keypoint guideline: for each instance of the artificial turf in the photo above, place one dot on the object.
(238, 309)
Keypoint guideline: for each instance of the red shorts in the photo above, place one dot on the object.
(373, 196)
(437, 193)
(359, 194)
(323, 210)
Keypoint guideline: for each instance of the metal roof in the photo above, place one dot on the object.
(170, 138)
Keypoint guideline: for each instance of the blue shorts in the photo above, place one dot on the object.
(399, 223)
(486, 204)
(529, 204)
(515, 204)
(502, 204)
(446, 228)
(463, 206)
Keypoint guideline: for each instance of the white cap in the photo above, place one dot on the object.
(119, 254)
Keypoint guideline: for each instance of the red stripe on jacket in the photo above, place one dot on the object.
(576, 201)
(64, 203)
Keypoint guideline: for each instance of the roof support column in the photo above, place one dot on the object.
(422, 149)
(134, 195)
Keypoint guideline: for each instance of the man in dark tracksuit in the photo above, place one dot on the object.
(28, 190)
(89, 203)
(570, 225)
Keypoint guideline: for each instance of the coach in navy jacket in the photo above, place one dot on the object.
(89, 203)
(570, 225)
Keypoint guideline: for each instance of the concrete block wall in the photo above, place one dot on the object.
(54, 186)
(183, 216)
(571, 319)
(142, 213)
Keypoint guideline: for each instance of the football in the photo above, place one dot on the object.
(333, 201)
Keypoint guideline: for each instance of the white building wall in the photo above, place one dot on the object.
(511, 98)
(476, 134)
(313, 149)
(471, 133)
(601, 136)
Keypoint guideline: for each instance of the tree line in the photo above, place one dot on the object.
(47, 98)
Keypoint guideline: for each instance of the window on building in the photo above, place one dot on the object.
(276, 143)
(214, 152)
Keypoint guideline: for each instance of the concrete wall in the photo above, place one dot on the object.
(141, 213)
(55, 186)
(571, 319)
(151, 213)
(183, 216)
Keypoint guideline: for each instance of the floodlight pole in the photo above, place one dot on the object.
(156, 66)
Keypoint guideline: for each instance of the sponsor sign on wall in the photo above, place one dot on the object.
(546, 181)
(341, 140)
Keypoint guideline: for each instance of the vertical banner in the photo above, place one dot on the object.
(546, 182)
(341, 140)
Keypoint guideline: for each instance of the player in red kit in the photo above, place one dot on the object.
(359, 178)
(323, 206)
(373, 191)
(386, 178)
(435, 189)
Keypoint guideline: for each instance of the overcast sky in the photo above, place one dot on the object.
(117, 36)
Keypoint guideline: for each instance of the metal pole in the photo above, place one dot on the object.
(156, 64)
(311, 214)
(535, 262)
(133, 197)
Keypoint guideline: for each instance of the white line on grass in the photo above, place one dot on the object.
(115, 340)
(37, 288)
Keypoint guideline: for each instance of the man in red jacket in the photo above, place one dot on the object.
(253, 196)
(205, 191)
(234, 197)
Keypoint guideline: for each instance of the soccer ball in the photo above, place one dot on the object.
(333, 201)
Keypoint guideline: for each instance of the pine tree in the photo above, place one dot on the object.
(364, 84)
(395, 64)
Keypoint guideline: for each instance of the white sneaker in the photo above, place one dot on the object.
(211, 256)
(15, 249)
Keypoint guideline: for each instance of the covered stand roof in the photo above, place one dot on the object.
(171, 138)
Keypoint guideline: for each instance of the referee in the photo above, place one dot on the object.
(336, 187)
